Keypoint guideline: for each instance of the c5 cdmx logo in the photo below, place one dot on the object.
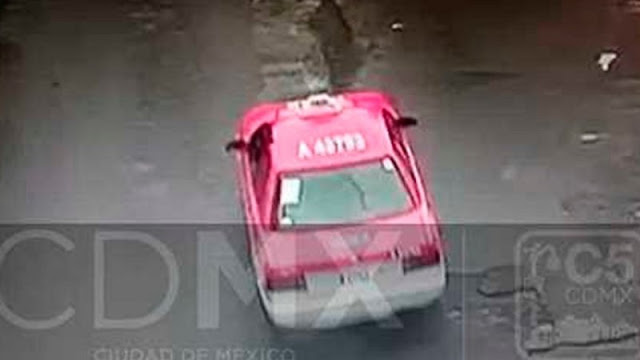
(580, 293)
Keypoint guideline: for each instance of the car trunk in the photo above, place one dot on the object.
(294, 254)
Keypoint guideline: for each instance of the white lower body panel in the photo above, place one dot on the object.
(348, 304)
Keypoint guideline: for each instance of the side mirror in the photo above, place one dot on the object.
(235, 145)
(405, 121)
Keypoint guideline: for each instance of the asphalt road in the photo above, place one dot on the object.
(116, 112)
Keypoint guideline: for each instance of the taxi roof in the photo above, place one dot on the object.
(350, 134)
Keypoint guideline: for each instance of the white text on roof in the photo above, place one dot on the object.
(331, 145)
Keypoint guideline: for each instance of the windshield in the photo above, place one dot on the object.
(344, 195)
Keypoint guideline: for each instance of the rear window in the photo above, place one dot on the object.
(345, 195)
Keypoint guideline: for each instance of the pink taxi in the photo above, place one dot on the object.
(341, 227)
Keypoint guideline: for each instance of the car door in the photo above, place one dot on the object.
(256, 166)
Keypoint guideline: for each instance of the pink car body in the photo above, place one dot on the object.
(337, 210)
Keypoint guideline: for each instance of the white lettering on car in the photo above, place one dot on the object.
(331, 145)
(339, 141)
(360, 143)
(303, 151)
(318, 148)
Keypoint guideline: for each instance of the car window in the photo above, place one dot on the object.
(259, 160)
(345, 195)
(395, 134)
(398, 142)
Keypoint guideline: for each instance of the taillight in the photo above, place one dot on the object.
(427, 256)
(282, 283)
